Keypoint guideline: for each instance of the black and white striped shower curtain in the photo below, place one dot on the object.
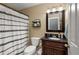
(13, 31)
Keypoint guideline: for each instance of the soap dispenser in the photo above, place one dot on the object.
(59, 35)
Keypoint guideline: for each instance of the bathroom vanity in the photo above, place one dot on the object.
(53, 46)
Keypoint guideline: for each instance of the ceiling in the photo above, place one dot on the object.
(20, 6)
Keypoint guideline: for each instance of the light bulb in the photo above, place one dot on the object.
(60, 8)
(48, 11)
(54, 10)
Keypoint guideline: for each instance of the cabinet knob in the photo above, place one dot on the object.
(66, 45)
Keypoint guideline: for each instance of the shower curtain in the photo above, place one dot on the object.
(13, 31)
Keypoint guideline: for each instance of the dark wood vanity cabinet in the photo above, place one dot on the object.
(53, 47)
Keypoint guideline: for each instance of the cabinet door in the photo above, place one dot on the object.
(48, 50)
(54, 51)
(58, 51)
(53, 48)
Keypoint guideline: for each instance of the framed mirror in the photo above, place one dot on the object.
(55, 21)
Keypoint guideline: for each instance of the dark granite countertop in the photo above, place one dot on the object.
(63, 40)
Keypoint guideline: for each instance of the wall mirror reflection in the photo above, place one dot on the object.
(55, 21)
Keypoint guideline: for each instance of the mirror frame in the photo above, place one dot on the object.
(63, 22)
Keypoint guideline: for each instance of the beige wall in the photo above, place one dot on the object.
(39, 12)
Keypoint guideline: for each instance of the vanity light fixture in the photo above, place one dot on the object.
(55, 9)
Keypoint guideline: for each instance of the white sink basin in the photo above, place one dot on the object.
(51, 38)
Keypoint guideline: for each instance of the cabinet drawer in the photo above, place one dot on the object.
(54, 44)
